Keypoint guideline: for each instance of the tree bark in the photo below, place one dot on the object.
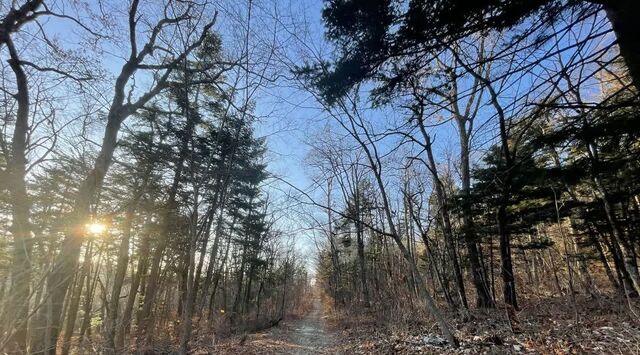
(216, 278)
(623, 15)
(483, 295)
(74, 302)
(360, 241)
(445, 220)
(141, 269)
(509, 284)
(17, 309)
(121, 270)
(187, 312)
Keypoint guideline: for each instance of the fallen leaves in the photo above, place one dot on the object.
(607, 328)
(549, 326)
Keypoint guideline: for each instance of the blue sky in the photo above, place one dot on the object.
(288, 117)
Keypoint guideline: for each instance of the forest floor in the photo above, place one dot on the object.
(602, 325)
(548, 326)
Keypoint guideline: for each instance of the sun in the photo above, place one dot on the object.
(96, 228)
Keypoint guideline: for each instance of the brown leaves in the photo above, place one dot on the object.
(546, 327)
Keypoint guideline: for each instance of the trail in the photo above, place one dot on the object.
(308, 335)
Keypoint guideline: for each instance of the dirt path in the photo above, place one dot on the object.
(308, 335)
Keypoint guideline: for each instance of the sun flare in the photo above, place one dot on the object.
(96, 228)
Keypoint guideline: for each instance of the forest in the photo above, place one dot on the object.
(319, 177)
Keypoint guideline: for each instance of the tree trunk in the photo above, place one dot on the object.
(92, 283)
(187, 312)
(74, 302)
(422, 288)
(619, 242)
(424, 293)
(203, 253)
(626, 251)
(509, 284)
(141, 270)
(121, 270)
(361, 258)
(163, 238)
(16, 311)
(603, 258)
(483, 295)
(443, 211)
(623, 17)
(216, 278)
(239, 284)
(47, 322)
(212, 258)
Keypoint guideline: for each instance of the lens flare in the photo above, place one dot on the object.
(96, 228)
